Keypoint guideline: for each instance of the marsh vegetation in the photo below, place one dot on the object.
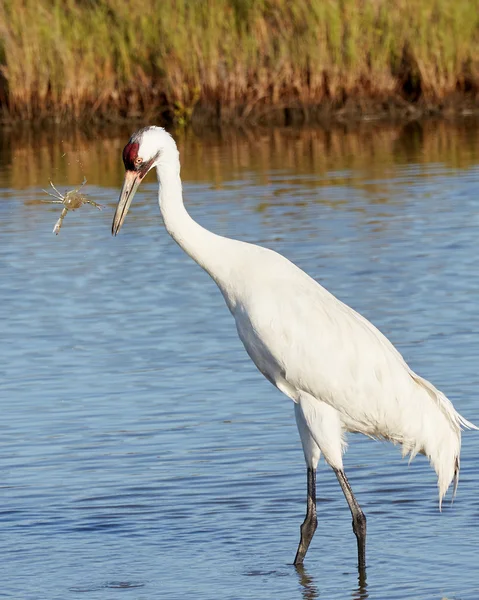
(236, 60)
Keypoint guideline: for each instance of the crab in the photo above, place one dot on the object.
(71, 201)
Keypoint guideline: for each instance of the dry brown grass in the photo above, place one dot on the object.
(227, 60)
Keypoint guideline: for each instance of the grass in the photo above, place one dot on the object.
(229, 60)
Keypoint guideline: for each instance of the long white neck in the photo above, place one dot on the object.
(212, 252)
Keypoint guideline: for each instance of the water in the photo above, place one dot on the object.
(142, 455)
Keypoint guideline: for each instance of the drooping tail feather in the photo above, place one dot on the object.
(443, 402)
(466, 424)
(444, 447)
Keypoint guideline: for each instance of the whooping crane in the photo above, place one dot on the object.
(342, 374)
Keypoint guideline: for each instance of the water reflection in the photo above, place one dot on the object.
(309, 591)
(361, 593)
(31, 157)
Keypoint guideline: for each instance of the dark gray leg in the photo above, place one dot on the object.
(310, 522)
(359, 519)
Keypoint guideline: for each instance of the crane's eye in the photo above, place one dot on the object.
(138, 162)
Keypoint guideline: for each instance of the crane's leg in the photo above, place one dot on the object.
(310, 522)
(311, 456)
(359, 519)
(321, 430)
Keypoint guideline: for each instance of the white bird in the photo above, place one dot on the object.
(342, 373)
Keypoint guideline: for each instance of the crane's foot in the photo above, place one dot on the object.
(310, 522)
(359, 518)
(359, 528)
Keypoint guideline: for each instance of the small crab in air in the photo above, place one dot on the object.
(71, 201)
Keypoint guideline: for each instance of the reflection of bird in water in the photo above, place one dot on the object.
(310, 591)
(341, 372)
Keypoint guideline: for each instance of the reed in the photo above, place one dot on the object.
(229, 60)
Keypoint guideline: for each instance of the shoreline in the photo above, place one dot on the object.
(354, 110)
(392, 109)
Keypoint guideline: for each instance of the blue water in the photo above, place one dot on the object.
(143, 456)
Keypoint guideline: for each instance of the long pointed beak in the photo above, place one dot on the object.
(130, 185)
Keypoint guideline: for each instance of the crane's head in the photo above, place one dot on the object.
(146, 149)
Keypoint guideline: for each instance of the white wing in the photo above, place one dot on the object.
(303, 339)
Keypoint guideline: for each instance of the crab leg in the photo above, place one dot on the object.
(58, 224)
(95, 204)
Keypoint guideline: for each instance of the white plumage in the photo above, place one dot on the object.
(314, 347)
(341, 372)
